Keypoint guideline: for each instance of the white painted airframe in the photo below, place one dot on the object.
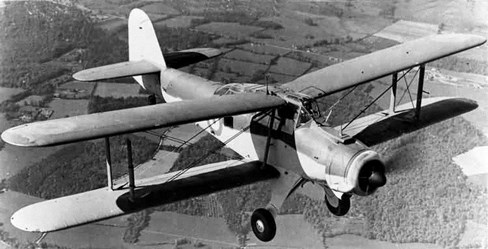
(277, 129)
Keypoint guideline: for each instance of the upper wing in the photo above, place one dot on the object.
(128, 68)
(85, 127)
(99, 204)
(382, 63)
(382, 126)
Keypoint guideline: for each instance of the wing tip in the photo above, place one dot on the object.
(13, 137)
(81, 76)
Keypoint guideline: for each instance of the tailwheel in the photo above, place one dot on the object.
(341, 206)
(263, 224)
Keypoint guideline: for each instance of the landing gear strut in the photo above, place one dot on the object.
(338, 207)
(263, 224)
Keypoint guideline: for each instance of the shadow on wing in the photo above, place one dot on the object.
(201, 184)
(402, 123)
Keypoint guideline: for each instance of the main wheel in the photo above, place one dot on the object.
(263, 224)
(343, 206)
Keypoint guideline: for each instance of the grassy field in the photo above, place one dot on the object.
(474, 235)
(67, 108)
(211, 231)
(118, 90)
(177, 22)
(352, 241)
(76, 85)
(7, 92)
(293, 232)
(290, 67)
(234, 30)
(239, 54)
(403, 31)
(13, 159)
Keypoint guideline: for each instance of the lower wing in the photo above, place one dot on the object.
(382, 126)
(100, 204)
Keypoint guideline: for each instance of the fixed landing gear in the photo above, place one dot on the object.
(338, 207)
(263, 224)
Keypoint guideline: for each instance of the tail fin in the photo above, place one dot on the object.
(144, 45)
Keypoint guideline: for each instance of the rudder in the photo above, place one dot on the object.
(144, 45)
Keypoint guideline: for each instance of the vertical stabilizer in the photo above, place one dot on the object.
(144, 45)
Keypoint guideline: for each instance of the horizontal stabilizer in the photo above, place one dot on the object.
(100, 204)
(98, 125)
(131, 68)
(190, 56)
(117, 70)
(381, 126)
(382, 63)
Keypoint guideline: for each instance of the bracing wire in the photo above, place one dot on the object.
(191, 165)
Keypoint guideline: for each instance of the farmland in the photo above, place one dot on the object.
(118, 90)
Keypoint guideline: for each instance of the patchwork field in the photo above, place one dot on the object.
(290, 67)
(79, 86)
(474, 164)
(118, 90)
(177, 22)
(13, 159)
(243, 55)
(403, 31)
(475, 234)
(68, 108)
(293, 232)
(352, 241)
(165, 226)
(160, 164)
(7, 92)
(234, 30)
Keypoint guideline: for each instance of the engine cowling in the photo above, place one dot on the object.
(347, 165)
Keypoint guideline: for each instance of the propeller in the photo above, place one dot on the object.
(372, 176)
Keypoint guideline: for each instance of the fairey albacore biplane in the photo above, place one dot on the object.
(277, 129)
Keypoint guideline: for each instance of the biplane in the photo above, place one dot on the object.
(278, 129)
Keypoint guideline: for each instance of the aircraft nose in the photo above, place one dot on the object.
(377, 179)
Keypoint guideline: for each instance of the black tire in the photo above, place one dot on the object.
(263, 224)
(342, 208)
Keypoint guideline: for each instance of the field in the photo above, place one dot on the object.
(67, 108)
(13, 159)
(293, 232)
(475, 235)
(290, 67)
(239, 54)
(80, 86)
(474, 164)
(118, 90)
(403, 31)
(234, 30)
(160, 164)
(177, 22)
(186, 226)
(352, 241)
(7, 92)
